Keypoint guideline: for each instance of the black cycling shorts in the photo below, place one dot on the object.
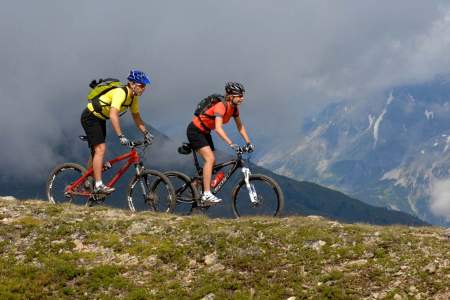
(94, 127)
(198, 139)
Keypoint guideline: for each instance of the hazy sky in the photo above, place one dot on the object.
(293, 57)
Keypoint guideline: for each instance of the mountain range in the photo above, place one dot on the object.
(390, 152)
(301, 198)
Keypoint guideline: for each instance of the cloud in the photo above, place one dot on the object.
(440, 199)
(292, 56)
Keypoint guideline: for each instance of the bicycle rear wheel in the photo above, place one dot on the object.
(185, 192)
(151, 190)
(61, 177)
(270, 199)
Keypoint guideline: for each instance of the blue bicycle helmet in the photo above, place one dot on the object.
(138, 77)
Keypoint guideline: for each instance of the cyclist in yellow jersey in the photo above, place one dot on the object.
(116, 99)
(111, 105)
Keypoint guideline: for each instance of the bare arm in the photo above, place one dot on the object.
(114, 117)
(221, 132)
(139, 123)
(241, 129)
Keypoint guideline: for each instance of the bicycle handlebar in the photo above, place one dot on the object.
(243, 149)
(135, 144)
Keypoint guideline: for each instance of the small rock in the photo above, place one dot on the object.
(20, 257)
(334, 224)
(413, 289)
(358, 262)
(397, 283)
(397, 297)
(292, 298)
(430, 268)
(216, 268)
(313, 217)
(211, 259)
(78, 245)
(290, 290)
(447, 233)
(150, 261)
(210, 296)
(316, 245)
(137, 228)
(58, 242)
(192, 263)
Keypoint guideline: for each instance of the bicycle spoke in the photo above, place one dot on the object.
(269, 200)
(150, 191)
(61, 178)
(185, 192)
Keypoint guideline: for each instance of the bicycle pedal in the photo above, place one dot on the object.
(98, 199)
(204, 203)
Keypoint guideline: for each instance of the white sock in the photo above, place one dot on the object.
(98, 183)
(208, 193)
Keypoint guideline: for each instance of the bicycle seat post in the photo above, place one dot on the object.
(197, 164)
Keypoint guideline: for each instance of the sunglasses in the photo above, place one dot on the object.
(140, 85)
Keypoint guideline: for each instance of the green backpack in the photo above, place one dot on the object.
(101, 87)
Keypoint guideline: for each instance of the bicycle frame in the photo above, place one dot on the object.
(133, 159)
(235, 163)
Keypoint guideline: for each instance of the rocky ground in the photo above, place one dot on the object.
(73, 252)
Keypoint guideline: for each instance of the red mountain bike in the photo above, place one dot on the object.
(253, 194)
(71, 182)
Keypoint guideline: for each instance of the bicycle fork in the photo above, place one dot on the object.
(150, 197)
(250, 187)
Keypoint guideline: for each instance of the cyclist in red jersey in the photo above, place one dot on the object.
(199, 132)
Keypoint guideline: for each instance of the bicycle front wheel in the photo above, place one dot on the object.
(61, 177)
(151, 190)
(268, 201)
(186, 192)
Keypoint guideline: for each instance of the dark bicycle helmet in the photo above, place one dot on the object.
(138, 77)
(234, 88)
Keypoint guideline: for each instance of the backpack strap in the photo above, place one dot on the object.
(210, 116)
(224, 104)
(126, 95)
(100, 103)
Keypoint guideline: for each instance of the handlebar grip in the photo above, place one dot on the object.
(135, 143)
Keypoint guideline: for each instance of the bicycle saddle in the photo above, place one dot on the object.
(185, 149)
(83, 138)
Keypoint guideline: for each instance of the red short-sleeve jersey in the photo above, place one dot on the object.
(217, 110)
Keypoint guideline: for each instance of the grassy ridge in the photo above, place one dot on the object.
(72, 252)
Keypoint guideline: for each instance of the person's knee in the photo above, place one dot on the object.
(210, 158)
(100, 149)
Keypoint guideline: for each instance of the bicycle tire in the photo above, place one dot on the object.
(155, 187)
(54, 187)
(269, 206)
(186, 193)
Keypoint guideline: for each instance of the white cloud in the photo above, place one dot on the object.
(440, 198)
(293, 57)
